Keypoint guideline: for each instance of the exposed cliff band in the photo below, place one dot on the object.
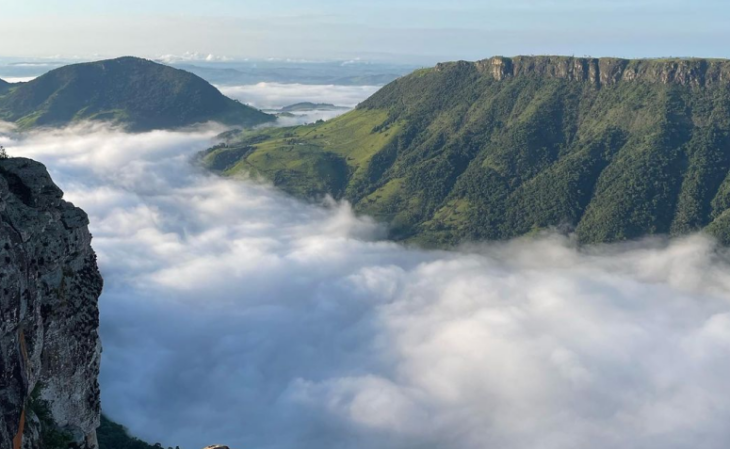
(49, 287)
(605, 71)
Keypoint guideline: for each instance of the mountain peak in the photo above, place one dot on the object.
(137, 93)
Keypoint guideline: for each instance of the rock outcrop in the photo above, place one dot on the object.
(49, 287)
(605, 71)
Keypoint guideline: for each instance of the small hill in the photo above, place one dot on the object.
(611, 149)
(4, 86)
(138, 93)
(308, 106)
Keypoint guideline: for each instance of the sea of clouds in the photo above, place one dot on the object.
(18, 79)
(274, 96)
(277, 95)
(233, 314)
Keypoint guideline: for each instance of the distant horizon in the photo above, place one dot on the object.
(19, 69)
(223, 59)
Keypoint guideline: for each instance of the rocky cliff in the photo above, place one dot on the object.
(605, 71)
(49, 286)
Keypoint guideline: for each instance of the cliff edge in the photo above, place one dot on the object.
(605, 71)
(49, 342)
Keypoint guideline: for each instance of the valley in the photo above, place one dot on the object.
(531, 237)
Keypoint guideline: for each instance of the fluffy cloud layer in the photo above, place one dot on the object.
(278, 95)
(233, 314)
(18, 79)
(192, 56)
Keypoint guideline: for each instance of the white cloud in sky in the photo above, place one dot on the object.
(233, 314)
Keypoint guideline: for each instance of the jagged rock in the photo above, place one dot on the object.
(49, 287)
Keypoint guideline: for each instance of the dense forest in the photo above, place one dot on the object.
(608, 149)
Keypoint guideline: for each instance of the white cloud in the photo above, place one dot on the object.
(18, 79)
(233, 314)
(277, 95)
(193, 56)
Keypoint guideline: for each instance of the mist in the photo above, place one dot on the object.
(278, 95)
(236, 315)
(17, 79)
(274, 96)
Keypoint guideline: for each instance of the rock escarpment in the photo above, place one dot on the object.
(49, 287)
(605, 71)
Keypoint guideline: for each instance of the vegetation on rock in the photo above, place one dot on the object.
(114, 436)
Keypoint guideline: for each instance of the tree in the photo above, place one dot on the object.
(3, 153)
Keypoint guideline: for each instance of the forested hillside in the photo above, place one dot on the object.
(134, 92)
(611, 149)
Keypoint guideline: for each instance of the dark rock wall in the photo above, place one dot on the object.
(49, 287)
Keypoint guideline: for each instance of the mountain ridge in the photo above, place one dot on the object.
(134, 92)
(606, 70)
(494, 150)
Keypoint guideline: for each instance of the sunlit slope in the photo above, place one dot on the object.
(612, 149)
(133, 92)
(313, 160)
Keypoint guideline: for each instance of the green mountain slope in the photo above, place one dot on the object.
(4, 86)
(612, 149)
(135, 92)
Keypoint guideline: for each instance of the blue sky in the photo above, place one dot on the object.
(412, 31)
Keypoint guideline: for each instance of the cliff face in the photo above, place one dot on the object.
(49, 286)
(606, 71)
